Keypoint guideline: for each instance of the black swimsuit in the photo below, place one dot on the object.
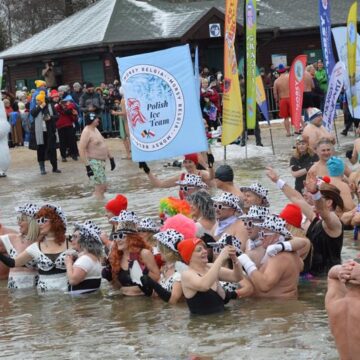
(205, 303)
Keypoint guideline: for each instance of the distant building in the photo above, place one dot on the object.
(85, 45)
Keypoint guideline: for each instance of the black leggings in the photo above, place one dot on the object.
(67, 140)
(45, 152)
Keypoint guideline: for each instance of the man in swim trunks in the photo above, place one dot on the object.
(94, 152)
(282, 96)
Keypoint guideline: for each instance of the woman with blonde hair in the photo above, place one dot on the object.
(25, 276)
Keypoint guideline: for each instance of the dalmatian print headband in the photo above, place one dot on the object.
(256, 213)
(192, 180)
(127, 222)
(230, 200)
(28, 209)
(89, 228)
(58, 211)
(224, 240)
(259, 190)
(169, 238)
(275, 224)
(148, 225)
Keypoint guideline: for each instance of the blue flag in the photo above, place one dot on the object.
(162, 107)
(325, 33)
(196, 73)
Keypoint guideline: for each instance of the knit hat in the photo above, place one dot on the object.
(187, 247)
(76, 85)
(54, 93)
(89, 85)
(117, 204)
(314, 113)
(292, 214)
(40, 83)
(192, 157)
(335, 166)
(181, 224)
(259, 190)
(224, 173)
(41, 97)
(63, 88)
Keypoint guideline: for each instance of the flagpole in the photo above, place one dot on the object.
(336, 133)
(245, 82)
(271, 138)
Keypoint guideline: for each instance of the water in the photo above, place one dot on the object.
(110, 326)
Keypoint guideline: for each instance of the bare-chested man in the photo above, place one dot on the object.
(94, 152)
(314, 130)
(308, 89)
(342, 304)
(278, 276)
(224, 179)
(282, 96)
(226, 206)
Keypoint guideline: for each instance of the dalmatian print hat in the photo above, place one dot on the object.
(89, 228)
(259, 190)
(148, 225)
(28, 209)
(192, 180)
(275, 224)
(229, 199)
(169, 238)
(58, 211)
(127, 222)
(256, 213)
(222, 242)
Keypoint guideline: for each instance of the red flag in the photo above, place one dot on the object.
(296, 84)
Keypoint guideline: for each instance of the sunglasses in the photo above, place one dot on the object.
(249, 224)
(221, 206)
(118, 236)
(186, 188)
(42, 220)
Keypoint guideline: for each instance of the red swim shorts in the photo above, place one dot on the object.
(284, 108)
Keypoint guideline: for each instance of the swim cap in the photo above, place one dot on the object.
(187, 247)
(117, 204)
(192, 157)
(292, 214)
(335, 166)
(181, 224)
(224, 173)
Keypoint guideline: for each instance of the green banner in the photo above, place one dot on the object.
(250, 16)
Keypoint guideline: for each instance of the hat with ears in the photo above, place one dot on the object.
(169, 238)
(186, 248)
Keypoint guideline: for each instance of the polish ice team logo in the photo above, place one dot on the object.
(299, 70)
(155, 106)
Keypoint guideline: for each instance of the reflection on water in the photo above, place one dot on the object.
(110, 326)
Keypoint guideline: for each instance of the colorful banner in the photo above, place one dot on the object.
(232, 126)
(325, 34)
(1, 71)
(250, 29)
(339, 35)
(351, 47)
(334, 88)
(296, 85)
(163, 112)
(261, 97)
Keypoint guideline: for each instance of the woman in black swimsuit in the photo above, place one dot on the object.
(201, 282)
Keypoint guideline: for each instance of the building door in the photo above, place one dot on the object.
(313, 55)
(214, 57)
(93, 71)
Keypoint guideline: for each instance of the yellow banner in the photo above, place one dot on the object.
(351, 50)
(232, 126)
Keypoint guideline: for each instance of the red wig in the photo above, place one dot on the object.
(57, 226)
